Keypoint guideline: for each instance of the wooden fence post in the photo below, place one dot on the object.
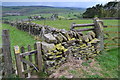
(8, 67)
(99, 32)
(29, 26)
(39, 56)
(18, 61)
(1, 63)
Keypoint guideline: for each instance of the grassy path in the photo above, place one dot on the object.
(18, 37)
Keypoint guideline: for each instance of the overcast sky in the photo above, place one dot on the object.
(55, 3)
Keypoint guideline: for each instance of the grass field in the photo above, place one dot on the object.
(65, 24)
(15, 17)
(18, 37)
(108, 60)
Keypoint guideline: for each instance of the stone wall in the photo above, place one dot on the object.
(58, 44)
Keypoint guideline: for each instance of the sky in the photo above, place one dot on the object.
(55, 3)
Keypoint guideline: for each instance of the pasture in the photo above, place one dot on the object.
(107, 61)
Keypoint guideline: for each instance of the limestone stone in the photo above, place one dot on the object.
(64, 38)
(85, 38)
(90, 37)
(50, 38)
(92, 34)
(47, 47)
(59, 38)
(95, 40)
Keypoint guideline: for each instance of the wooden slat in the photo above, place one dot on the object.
(28, 71)
(111, 47)
(87, 29)
(113, 38)
(111, 32)
(30, 64)
(18, 61)
(30, 57)
(35, 55)
(29, 53)
(83, 25)
(114, 26)
(24, 65)
(111, 44)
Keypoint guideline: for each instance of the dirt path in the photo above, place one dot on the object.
(78, 69)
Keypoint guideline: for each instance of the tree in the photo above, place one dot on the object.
(110, 9)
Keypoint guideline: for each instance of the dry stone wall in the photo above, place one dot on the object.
(58, 44)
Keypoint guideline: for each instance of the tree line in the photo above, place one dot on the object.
(111, 9)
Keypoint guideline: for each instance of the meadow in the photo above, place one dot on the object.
(108, 60)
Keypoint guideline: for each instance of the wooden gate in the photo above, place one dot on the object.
(28, 62)
(97, 27)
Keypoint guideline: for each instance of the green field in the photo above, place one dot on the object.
(65, 24)
(108, 61)
(18, 37)
(14, 18)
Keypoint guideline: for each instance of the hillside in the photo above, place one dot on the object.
(22, 12)
(26, 10)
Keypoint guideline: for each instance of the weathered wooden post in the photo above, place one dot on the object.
(99, 32)
(71, 27)
(39, 56)
(18, 61)
(29, 25)
(1, 63)
(8, 68)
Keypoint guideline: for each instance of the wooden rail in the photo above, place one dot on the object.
(81, 25)
(79, 30)
(97, 28)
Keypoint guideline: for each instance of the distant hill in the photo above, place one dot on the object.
(28, 10)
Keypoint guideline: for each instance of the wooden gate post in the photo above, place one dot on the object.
(8, 67)
(18, 61)
(99, 32)
(39, 56)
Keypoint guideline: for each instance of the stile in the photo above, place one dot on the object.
(18, 61)
(24, 64)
